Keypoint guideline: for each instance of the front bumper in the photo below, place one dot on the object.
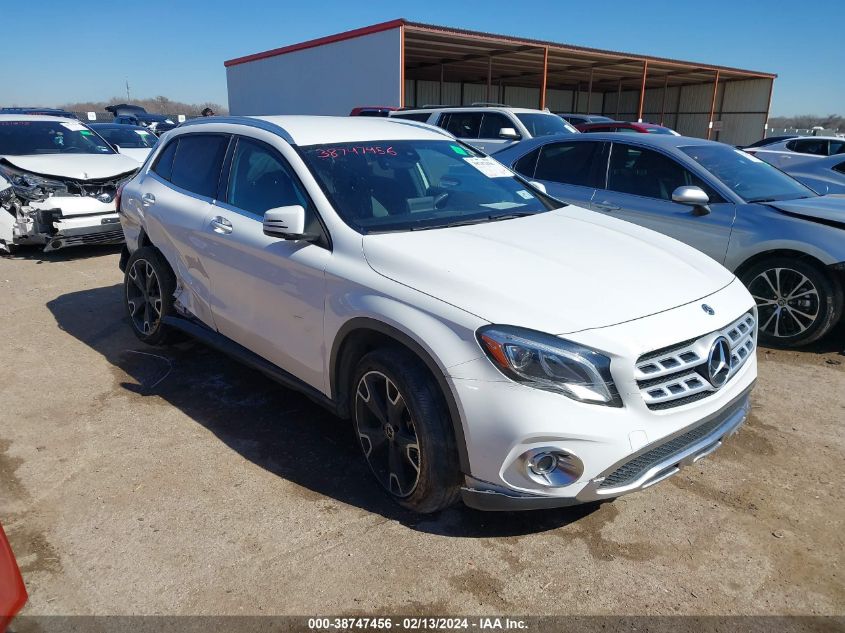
(79, 231)
(651, 464)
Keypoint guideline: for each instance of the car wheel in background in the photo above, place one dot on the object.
(405, 430)
(797, 301)
(148, 287)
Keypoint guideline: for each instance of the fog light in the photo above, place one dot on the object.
(552, 466)
(543, 463)
(56, 244)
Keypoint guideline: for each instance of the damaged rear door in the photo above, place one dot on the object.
(175, 196)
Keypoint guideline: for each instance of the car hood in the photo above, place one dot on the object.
(558, 272)
(830, 207)
(75, 166)
(136, 153)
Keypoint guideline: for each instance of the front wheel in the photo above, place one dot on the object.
(404, 429)
(797, 301)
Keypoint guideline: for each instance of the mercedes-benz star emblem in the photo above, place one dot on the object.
(719, 362)
(708, 309)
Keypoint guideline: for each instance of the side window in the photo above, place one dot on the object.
(527, 164)
(836, 147)
(647, 173)
(569, 163)
(422, 117)
(260, 179)
(625, 130)
(197, 163)
(164, 161)
(840, 168)
(461, 124)
(492, 122)
(814, 146)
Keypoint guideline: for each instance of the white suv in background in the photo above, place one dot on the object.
(485, 340)
(489, 127)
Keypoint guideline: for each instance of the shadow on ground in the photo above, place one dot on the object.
(37, 254)
(276, 428)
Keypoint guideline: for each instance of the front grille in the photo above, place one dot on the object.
(677, 375)
(631, 471)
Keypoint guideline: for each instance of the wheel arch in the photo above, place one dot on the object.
(786, 252)
(360, 335)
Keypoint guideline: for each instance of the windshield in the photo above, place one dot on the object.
(411, 185)
(750, 178)
(23, 138)
(545, 124)
(128, 138)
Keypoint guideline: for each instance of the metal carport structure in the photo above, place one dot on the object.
(404, 63)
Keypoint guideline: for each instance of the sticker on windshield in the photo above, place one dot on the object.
(86, 132)
(489, 167)
(142, 133)
(459, 150)
(522, 193)
(73, 127)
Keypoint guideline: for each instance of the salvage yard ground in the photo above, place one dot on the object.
(136, 480)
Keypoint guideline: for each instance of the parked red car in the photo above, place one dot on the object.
(624, 126)
(12, 590)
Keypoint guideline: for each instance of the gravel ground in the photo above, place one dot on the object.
(136, 480)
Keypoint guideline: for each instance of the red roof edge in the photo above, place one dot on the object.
(320, 41)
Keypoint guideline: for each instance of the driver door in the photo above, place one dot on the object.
(640, 182)
(267, 293)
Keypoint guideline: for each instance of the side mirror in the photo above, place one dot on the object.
(115, 147)
(693, 196)
(538, 185)
(287, 223)
(509, 133)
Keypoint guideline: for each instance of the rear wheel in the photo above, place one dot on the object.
(148, 287)
(797, 301)
(404, 428)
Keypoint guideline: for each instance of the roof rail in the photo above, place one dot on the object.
(241, 120)
(489, 104)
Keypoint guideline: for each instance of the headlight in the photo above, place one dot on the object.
(31, 186)
(551, 363)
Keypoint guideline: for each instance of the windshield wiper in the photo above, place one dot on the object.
(481, 220)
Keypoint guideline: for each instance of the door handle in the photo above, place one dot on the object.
(148, 200)
(221, 225)
(606, 206)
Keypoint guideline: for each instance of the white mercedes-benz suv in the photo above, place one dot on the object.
(486, 341)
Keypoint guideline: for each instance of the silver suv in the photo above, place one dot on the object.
(489, 127)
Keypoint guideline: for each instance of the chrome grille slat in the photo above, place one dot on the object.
(673, 376)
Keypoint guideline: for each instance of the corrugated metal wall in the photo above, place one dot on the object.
(330, 79)
(740, 105)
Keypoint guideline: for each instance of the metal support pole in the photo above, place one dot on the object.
(545, 77)
(642, 92)
(618, 98)
(590, 93)
(663, 105)
(577, 97)
(440, 95)
(713, 106)
(489, 79)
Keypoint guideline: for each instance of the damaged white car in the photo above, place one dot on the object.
(58, 181)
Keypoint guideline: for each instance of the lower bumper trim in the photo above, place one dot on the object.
(719, 426)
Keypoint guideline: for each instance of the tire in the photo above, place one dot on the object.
(405, 430)
(148, 287)
(798, 302)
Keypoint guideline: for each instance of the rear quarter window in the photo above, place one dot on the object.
(197, 163)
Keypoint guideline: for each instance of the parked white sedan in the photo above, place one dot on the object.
(789, 153)
(58, 181)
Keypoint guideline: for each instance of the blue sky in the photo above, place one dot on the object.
(52, 53)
